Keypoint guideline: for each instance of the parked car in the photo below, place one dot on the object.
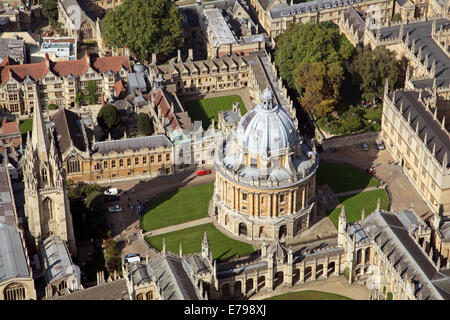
(111, 192)
(379, 144)
(116, 208)
(364, 147)
(203, 172)
(131, 257)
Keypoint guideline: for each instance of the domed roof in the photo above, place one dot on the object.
(267, 128)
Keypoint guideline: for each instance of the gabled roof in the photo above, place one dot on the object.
(68, 130)
(37, 71)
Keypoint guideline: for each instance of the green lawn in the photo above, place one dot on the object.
(371, 114)
(309, 295)
(25, 125)
(341, 178)
(354, 205)
(222, 247)
(207, 109)
(177, 207)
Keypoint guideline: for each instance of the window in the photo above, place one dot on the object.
(152, 159)
(105, 164)
(97, 166)
(159, 158)
(73, 165)
(113, 163)
(129, 162)
(136, 161)
(120, 162)
(282, 198)
(244, 197)
(167, 156)
(144, 160)
(14, 291)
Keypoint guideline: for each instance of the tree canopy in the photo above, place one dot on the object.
(145, 27)
(50, 10)
(371, 68)
(108, 117)
(310, 57)
(145, 125)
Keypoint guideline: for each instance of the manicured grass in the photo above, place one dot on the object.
(208, 109)
(222, 247)
(177, 207)
(309, 295)
(26, 125)
(341, 178)
(371, 114)
(354, 205)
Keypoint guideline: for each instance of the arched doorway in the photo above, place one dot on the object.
(62, 286)
(331, 268)
(282, 232)
(237, 289)
(262, 232)
(308, 273)
(278, 279)
(261, 282)
(367, 255)
(227, 220)
(242, 229)
(319, 271)
(296, 276)
(248, 285)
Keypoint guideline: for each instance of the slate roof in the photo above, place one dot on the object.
(68, 129)
(355, 20)
(413, 108)
(109, 291)
(7, 209)
(13, 48)
(150, 142)
(172, 276)
(390, 233)
(13, 261)
(59, 263)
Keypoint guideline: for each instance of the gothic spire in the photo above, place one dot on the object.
(39, 137)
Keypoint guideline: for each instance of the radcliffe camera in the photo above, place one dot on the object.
(224, 152)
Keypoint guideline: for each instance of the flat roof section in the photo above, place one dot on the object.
(219, 26)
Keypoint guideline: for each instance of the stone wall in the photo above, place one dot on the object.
(350, 139)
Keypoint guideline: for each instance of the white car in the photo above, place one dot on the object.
(116, 208)
(379, 144)
(111, 192)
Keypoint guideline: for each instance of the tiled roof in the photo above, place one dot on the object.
(37, 71)
(109, 291)
(9, 127)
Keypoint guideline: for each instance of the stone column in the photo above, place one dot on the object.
(252, 204)
(294, 204)
(304, 196)
(289, 278)
(255, 282)
(275, 205)
(290, 203)
(257, 204)
(232, 290)
(313, 270)
(302, 273)
(363, 257)
(325, 268)
(269, 205)
(244, 285)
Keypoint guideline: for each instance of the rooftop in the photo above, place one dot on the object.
(150, 142)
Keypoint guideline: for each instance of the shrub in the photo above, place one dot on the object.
(52, 106)
(347, 273)
(389, 296)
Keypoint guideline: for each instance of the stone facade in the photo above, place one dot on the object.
(47, 204)
(270, 193)
(58, 82)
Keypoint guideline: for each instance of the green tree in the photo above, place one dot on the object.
(309, 43)
(110, 252)
(371, 68)
(52, 106)
(50, 10)
(145, 125)
(397, 17)
(108, 117)
(92, 95)
(80, 98)
(144, 26)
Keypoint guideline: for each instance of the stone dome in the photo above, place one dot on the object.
(266, 129)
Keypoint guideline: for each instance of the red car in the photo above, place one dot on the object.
(203, 172)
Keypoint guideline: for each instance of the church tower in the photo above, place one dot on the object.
(46, 197)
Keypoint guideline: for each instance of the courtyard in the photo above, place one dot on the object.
(309, 295)
(208, 109)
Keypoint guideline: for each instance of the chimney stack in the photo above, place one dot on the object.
(191, 53)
